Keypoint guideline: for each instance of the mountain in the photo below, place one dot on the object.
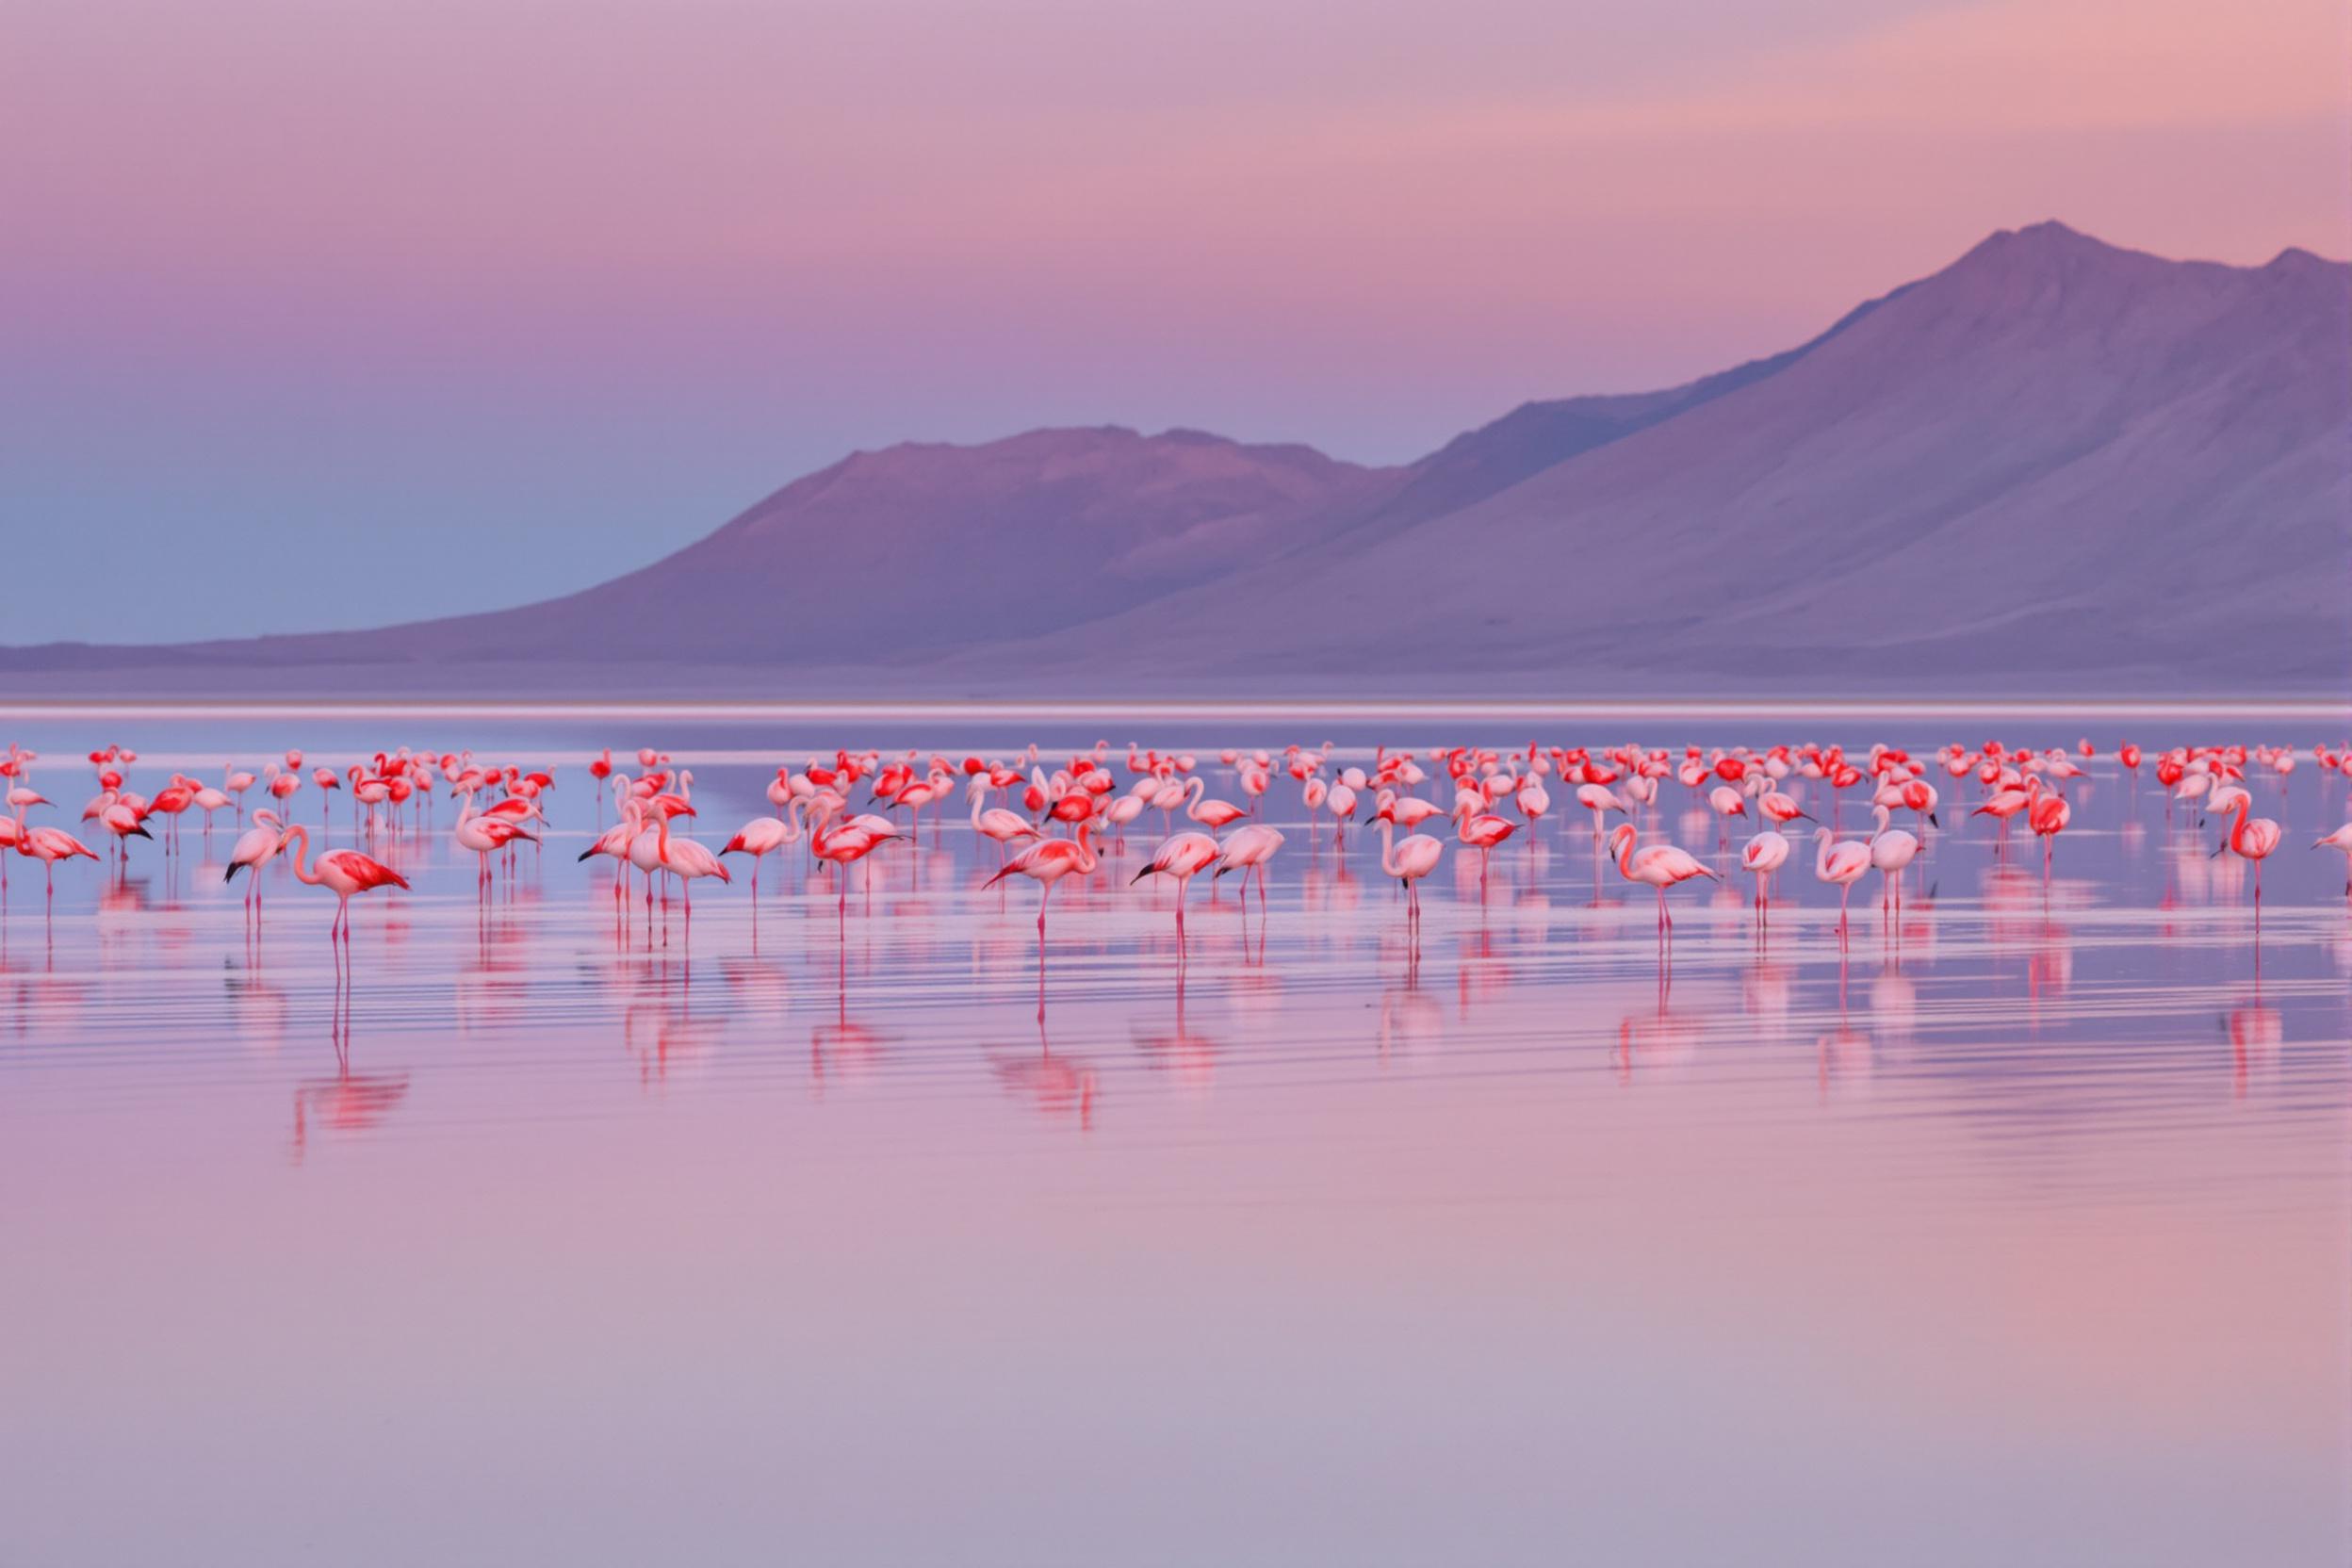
(2055, 466)
(896, 555)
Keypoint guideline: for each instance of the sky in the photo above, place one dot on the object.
(327, 313)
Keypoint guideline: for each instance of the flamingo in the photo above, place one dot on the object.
(255, 848)
(848, 843)
(342, 871)
(236, 781)
(1661, 866)
(1727, 803)
(2340, 840)
(1406, 811)
(2048, 816)
(1046, 862)
(1533, 801)
(1409, 862)
(1247, 849)
(486, 835)
(1891, 850)
(120, 818)
(1842, 863)
(686, 859)
(49, 845)
(921, 792)
(1125, 810)
(209, 800)
(1182, 858)
(615, 841)
(1340, 800)
(2251, 840)
(1763, 855)
(324, 778)
(2006, 803)
(1480, 830)
(760, 837)
(1217, 815)
(1005, 827)
(1599, 799)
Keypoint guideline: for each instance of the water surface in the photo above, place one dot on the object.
(2013, 1231)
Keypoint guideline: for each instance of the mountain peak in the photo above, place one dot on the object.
(2041, 247)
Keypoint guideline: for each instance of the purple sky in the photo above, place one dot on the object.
(327, 314)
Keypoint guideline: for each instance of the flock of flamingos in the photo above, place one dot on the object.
(1045, 821)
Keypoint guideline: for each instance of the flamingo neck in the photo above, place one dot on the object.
(298, 837)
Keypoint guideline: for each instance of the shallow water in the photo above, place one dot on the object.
(2014, 1231)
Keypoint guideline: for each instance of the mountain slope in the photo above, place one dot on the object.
(2055, 461)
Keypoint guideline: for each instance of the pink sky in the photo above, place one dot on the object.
(603, 273)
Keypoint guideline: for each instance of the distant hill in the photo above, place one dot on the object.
(2053, 467)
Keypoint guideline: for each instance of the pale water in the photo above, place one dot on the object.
(2014, 1232)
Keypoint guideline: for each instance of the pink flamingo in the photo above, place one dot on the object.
(236, 781)
(328, 784)
(1599, 799)
(343, 873)
(1409, 862)
(1843, 863)
(1657, 866)
(2251, 840)
(1762, 855)
(1891, 850)
(1213, 814)
(616, 842)
(1003, 826)
(2341, 839)
(486, 835)
(1249, 849)
(685, 859)
(758, 838)
(1533, 801)
(1341, 802)
(1182, 858)
(1046, 862)
(2049, 815)
(1480, 830)
(49, 845)
(848, 843)
(255, 848)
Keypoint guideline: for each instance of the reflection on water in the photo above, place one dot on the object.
(2008, 1229)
